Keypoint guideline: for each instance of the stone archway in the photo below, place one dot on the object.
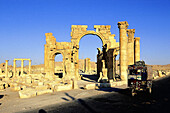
(87, 53)
(105, 57)
(52, 60)
(103, 32)
(51, 49)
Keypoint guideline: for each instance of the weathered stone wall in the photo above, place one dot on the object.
(111, 48)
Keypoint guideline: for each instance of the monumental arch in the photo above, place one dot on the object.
(128, 48)
(102, 31)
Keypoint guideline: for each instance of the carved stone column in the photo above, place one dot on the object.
(6, 68)
(77, 64)
(46, 59)
(130, 53)
(52, 66)
(22, 67)
(14, 68)
(137, 49)
(123, 49)
(87, 66)
(29, 66)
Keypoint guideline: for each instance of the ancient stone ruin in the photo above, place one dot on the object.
(128, 48)
(30, 84)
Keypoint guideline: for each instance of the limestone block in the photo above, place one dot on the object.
(2, 75)
(155, 77)
(40, 83)
(167, 73)
(100, 77)
(52, 86)
(27, 93)
(41, 87)
(13, 84)
(40, 92)
(9, 75)
(28, 80)
(160, 74)
(6, 85)
(1, 83)
(35, 80)
(5, 79)
(46, 82)
(0, 71)
(28, 84)
(63, 87)
(90, 86)
(23, 87)
(111, 81)
(119, 83)
(112, 84)
(16, 88)
(74, 84)
(1, 87)
(35, 84)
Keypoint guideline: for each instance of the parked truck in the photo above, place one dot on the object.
(139, 77)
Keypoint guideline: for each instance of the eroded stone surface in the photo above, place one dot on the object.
(21, 79)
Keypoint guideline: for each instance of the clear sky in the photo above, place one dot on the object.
(23, 24)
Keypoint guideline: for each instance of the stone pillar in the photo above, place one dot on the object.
(63, 67)
(50, 70)
(87, 65)
(137, 49)
(52, 66)
(83, 68)
(46, 60)
(104, 72)
(123, 49)
(6, 68)
(14, 68)
(99, 62)
(77, 64)
(29, 66)
(22, 67)
(130, 53)
(114, 67)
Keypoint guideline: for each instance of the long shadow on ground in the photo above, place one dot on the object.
(90, 78)
(119, 101)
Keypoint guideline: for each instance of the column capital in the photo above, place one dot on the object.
(48, 34)
(123, 25)
(130, 31)
(137, 38)
(6, 60)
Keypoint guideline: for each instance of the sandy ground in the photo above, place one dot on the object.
(11, 103)
(107, 100)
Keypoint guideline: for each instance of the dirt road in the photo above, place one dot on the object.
(116, 101)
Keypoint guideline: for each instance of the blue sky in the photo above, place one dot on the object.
(23, 24)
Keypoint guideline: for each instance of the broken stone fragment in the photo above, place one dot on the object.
(63, 87)
(27, 93)
(40, 92)
(90, 86)
(16, 88)
(41, 87)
